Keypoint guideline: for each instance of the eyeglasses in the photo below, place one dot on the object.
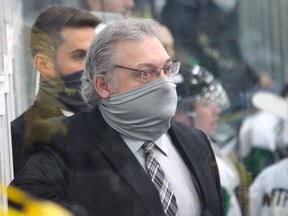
(146, 75)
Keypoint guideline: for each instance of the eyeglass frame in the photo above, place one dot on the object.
(155, 70)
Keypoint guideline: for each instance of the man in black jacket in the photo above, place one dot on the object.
(95, 163)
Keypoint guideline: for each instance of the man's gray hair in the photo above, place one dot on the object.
(100, 56)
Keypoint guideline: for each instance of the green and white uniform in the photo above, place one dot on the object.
(230, 179)
(268, 194)
(258, 141)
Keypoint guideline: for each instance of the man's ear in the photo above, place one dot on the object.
(44, 65)
(101, 86)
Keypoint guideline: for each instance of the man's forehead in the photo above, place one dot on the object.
(149, 46)
(77, 36)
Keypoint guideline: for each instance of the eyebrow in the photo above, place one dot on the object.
(78, 52)
(152, 65)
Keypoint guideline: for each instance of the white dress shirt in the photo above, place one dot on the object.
(175, 170)
(67, 113)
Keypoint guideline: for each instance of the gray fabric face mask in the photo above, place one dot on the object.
(143, 113)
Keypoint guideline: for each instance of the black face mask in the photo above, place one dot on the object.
(63, 92)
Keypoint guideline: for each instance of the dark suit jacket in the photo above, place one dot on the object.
(84, 164)
(22, 126)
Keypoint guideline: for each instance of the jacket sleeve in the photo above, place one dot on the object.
(45, 176)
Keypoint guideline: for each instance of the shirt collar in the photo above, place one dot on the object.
(135, 145)
(67, 113)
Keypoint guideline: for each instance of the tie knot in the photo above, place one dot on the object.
(148, 147)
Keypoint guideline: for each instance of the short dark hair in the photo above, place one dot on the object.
(45, 34)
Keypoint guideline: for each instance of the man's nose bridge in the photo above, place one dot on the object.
(161, 72)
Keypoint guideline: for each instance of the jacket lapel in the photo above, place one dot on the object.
(124, 161)
(196, 160)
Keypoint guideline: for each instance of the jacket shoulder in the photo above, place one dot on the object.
(190, 133)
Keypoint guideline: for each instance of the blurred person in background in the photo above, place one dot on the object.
(166, 38)
(200, 100)
(108, 10)
(206, 33)
(257, 141)
(261, 130)
(269, 191)
(59, 41)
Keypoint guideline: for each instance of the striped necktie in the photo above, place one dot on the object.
(160, 181)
